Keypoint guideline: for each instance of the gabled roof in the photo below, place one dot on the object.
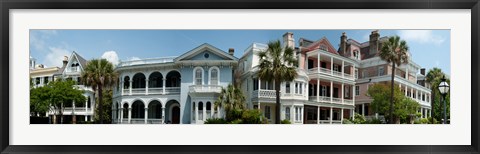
(82, 62)
(316, 45)
(197, 50)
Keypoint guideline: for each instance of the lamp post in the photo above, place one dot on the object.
(443, 87)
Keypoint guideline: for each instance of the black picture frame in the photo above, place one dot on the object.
(6, 5)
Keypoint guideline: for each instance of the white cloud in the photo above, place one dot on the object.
(111, 56)
(421, 36)
(55, 57)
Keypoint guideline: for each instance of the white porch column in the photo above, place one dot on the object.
(130, 87)
(406, 72)
(164, 81)
(354, 94)
(196, 112)
(258, 106)
(121, 87)
(129, 115)
(146, 86)
(331, 65)
(343, 69)
(292, 114)
(341, 116)
(352, 111)
(318, 90)
(204, 116)
(301, 114)
(363, 109)
(146, 115)
(416, 95)
(331, 91)
(318, 115)
(430, 113)
(331, 115)
(318, 61)
(421, 111)
(163, 114)
(406, 89)
(121, 115)
(411, 92)
(343, 93)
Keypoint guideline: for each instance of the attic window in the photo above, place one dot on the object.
(323, 47)
(206, 55)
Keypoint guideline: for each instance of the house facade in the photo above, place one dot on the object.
(176, 90)
(71, 70)
(332, 83)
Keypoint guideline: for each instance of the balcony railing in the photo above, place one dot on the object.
(330, 100)
(147, 61)
(262, 93)
(330, 72)
(205, 89)
(152, 91)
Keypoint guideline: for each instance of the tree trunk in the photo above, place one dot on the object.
(100, 106)
(278, 105)
(54, 118)
(391, 96)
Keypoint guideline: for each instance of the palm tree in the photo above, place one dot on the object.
(277, 64)
(231, 99)
(434, 77)
(394, 51)
(99, 75)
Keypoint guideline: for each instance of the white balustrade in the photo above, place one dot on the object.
(205, 88)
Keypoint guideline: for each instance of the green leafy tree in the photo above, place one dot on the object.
(232, 100)
(53, 97)
(277, 64)
(434, 77)
(394, 51)
(403, 108)
(99, 75)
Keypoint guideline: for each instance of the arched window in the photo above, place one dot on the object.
(198, 76)
(214, 76)
(209, 106)
(200, 106)
(126, 82)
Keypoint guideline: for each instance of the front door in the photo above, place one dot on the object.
(175, 115)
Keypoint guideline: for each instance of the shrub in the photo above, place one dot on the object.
(424, 121)
(346, 121)
(374, 121)
(253, 116)
(432, 122)
(359, 119)
(215, 121)
(234, 114)
(285, 121)
(237, 121)
(416, 121)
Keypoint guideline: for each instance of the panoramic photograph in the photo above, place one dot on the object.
(365, 76)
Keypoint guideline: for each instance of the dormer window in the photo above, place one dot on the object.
(74, 67)
(323, 47)
(356, 55)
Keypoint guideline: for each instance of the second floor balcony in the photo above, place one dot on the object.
(205, 89)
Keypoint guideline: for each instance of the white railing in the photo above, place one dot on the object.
(72, 69)
(147, 61)
(137, 121)
(154, 121)
(205, 89)
(138, 90)
(348, 102)
(171, 90)
(336, 100)
(262, 93)
(330, 72)
(126, 91)
(155, 90)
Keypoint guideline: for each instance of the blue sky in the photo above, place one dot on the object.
(429, 48)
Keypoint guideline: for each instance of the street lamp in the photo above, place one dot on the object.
(443, 87)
